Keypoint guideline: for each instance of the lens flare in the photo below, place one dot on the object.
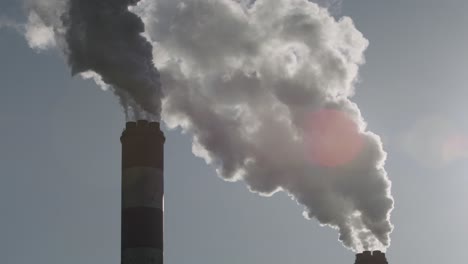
(332, 138)
(455, 147)
(435, 142)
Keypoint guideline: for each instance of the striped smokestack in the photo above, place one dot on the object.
(142, 193)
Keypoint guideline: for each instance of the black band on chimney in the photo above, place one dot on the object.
(142, 227)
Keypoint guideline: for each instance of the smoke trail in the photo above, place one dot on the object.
(263, 86)
(7, 23)
(103, 40)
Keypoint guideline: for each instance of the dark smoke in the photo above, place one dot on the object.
(105, 37)
(102, 37)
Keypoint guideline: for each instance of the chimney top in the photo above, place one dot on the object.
(368, 257)
(140, 128)
(142, 123)
(154, 125)
(130, 125)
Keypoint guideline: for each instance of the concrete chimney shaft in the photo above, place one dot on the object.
(142, 193)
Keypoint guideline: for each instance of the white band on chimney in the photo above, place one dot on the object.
(142, 187)
(142, 256)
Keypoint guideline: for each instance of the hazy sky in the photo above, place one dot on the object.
(60, 156)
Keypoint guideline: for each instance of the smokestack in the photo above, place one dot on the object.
(368, 257)
(142, 193)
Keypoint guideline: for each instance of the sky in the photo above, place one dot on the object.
(60, 156)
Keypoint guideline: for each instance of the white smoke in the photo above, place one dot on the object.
(44, 28)
(264, 88)
(39, 35)
(244, 79)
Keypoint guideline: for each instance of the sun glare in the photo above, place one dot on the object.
(332, 138)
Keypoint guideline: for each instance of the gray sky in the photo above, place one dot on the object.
(60, 156)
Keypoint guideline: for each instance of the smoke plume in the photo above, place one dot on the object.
(103, 40)
(263, 86)
(264, 89)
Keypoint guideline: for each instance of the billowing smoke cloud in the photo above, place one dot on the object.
(102, 38)
(263, 86)
(38, 35)
(44, 28)
(264, 89)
